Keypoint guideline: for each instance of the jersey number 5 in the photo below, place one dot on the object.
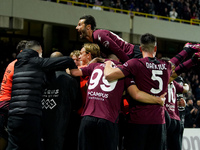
(155, 77)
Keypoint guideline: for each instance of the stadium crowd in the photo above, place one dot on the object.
(180, 9)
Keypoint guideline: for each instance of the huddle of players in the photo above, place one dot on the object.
(145, 78)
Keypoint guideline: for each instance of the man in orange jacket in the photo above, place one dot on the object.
(5, 96)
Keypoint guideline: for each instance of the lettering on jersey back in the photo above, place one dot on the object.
(156, 66)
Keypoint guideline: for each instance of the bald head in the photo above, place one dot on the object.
(56, 54)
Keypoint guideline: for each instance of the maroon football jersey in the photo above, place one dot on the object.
(150, 75)
(171, 99)
(108, 40)
(103, 97)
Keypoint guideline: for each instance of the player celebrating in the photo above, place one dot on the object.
(151, 75)
(107, 40)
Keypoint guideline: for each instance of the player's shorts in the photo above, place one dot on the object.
(145, 137)
(174, 135)
(97, 132)
(167, 119)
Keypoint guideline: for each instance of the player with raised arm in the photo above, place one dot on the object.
(108, 41)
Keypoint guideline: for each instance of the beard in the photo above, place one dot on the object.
(83, 34)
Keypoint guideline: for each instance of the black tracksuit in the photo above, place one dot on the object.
(25, 109)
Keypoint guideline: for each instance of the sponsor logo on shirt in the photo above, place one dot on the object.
(97, 95)
(170, 107)
(48, 103)
(49, 96)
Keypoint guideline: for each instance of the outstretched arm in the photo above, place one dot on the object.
(144, 97)
(113, 46)
(185, 66)
(187, 50)
(76, 72)
(97, 60)
(111, 73)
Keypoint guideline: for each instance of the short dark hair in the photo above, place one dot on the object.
(89, 20)
(189, 98)
(147, 38)
(21, 45)
(147, 42)
(32, 44)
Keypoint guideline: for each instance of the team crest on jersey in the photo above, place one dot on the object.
(106, 44)
(125, 64)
